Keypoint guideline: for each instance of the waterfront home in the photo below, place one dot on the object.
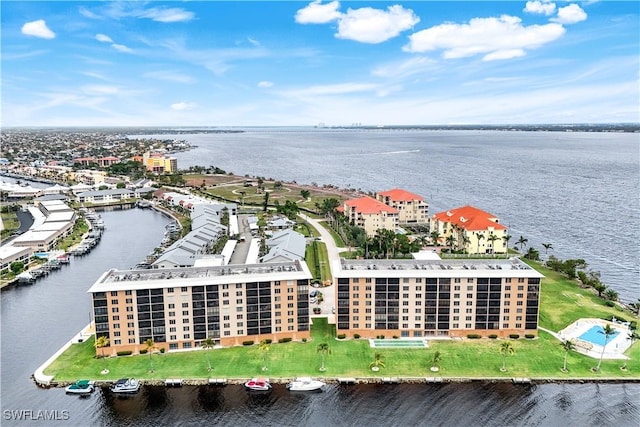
(412, 208)
(370, 214)
(285, 245)
(10, 254)
(179, 308)
(474, 230)
(158, 163)
(105, 196)
(448, 298)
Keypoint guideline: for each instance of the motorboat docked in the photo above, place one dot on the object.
(80, 387)
(126, 385)
(258, 384)
(305, 384)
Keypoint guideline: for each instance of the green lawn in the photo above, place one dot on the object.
(539, 358)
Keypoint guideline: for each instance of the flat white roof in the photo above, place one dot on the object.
(9, 251)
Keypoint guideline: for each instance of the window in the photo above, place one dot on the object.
(520, 296)
(505, 310)
(116, 317)
(185, 305)
(114, 302)
(239, 324)
(505, 326)
(172, 321)
(225, 302)
(455, 326)
(114, 293)
(456, 303)
(185, 328)
(506, 303)
(131, 325)
(129, 300)
(172, 314)
(225, 294)
(186, 344)
(456, 317)
(456, 295)
(456, 310)
(276, 291)
(469, 295)
(129, 308)
(172, 306)
(505, 318)
(519, 318)
(170, 290)
(508, 295)
(468, 318)
(114, 309)
(129, 316)
(185, 312)
(132, 340)
(469, 310)
(469, 280)
(172, 329)
(469, 302)
(183, 289)
(467, 325)
(507, 287)
(238, 301)
(356, 288)
(116, 326)
(116, 334)
(456, 280)
(185, 320)
(290, 298)
(519, 302)
(290, 290)
(238, 293)
(239, 317)
(173, 337)
(356, 295)
(127, 292)
(116, 342)
(518, 325)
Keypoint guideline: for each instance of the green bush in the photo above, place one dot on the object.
(285, 339)
(514, 336)
(609, 303)
(162, 350)
(395, 337)
(268, 340)
(247, 342)
(125, 353)
(342, 336)
(474, 336)
(493, 336)
(633, 325)
(356, 336)
(529, 336)
(144, 351)
(304, 340)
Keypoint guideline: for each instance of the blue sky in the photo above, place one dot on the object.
(193, 63)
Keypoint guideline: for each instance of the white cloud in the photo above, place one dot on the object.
(543, 8)
(182, 106)
(318, 13)
(253, 41)
(333, 89)
(369, 25)
(87, 13)
(103, 38)
(265, 84)
(173, 14)
(407, 68)
(38, 29)
(499, 38)
(100, 90)
(121, 48)
(570, 15)
(169, 76)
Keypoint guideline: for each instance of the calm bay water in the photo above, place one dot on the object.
(577, 191)
(38, 319)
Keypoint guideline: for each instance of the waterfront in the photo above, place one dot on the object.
(38, 319)
(577, 191)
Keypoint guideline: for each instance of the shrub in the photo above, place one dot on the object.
(268, 340)
(529, 336)
(380, 337)
(610, 303)
(304, 340)
(124, 353)
(633, 325)
(162, 350)
(473, 336)
(342, 336)
(514, 336)
(356, 336)
(247, 342)
(395, 337)
(144, 351)
(493, 336)
(285, 339)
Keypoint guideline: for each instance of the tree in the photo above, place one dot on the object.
(608, 332)
(532, 254)
(17, 267)
(479, 237)
(611, 294)
(635, 306)
(492, 238)
(208, 344)
(567, 347)
(265, 204)
(101, 343)
(263, 348)
(378, 362)
(522, 241)
(435, 237)
(547, 246)
(323, 349)
(305, 194)
(450, 241)
(435, 361)
(505, 349)
(506, 239)
(149, 346)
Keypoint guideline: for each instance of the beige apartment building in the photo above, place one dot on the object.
(178, 308)
(370, 214)
(472, 229)
(412, 208)
(454, 298)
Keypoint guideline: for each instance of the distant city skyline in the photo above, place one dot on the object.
(300, 63)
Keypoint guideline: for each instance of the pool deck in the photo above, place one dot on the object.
(615, 347)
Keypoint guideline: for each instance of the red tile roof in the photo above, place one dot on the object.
(368, 205)
(400, 195)
(469, 218)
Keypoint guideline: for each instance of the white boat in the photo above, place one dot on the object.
(80, 387)
(126, 385)
(305, 384)
(258, 384)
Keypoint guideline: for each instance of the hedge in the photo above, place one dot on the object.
(473, 336)
(493, 336)
(529, 336)
(124, 353)
(247, 343)
(514, 336)
(285, 339)
(342, 336)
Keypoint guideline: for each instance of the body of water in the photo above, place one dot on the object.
(577, 191)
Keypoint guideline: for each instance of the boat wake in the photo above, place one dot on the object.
(388, 152)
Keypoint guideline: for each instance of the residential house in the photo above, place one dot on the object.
(474, 230)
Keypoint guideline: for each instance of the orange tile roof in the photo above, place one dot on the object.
(469, 218)
(400, 195)
(368, 205)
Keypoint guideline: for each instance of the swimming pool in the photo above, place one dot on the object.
(398, 343)
(595, 335)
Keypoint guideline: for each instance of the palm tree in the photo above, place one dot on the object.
(465, 241)
(479, 237)
(567, 346)
(378, 362)
(323, 349)
(435, 236)
(450, 241)
(608, 332)
(522, 241)
(263, 348)
(506, 239)
(435, 361)
(492, 238)
(505, 349)
(547, 246)
(208, 344)
(150, 345)
(101, 343)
